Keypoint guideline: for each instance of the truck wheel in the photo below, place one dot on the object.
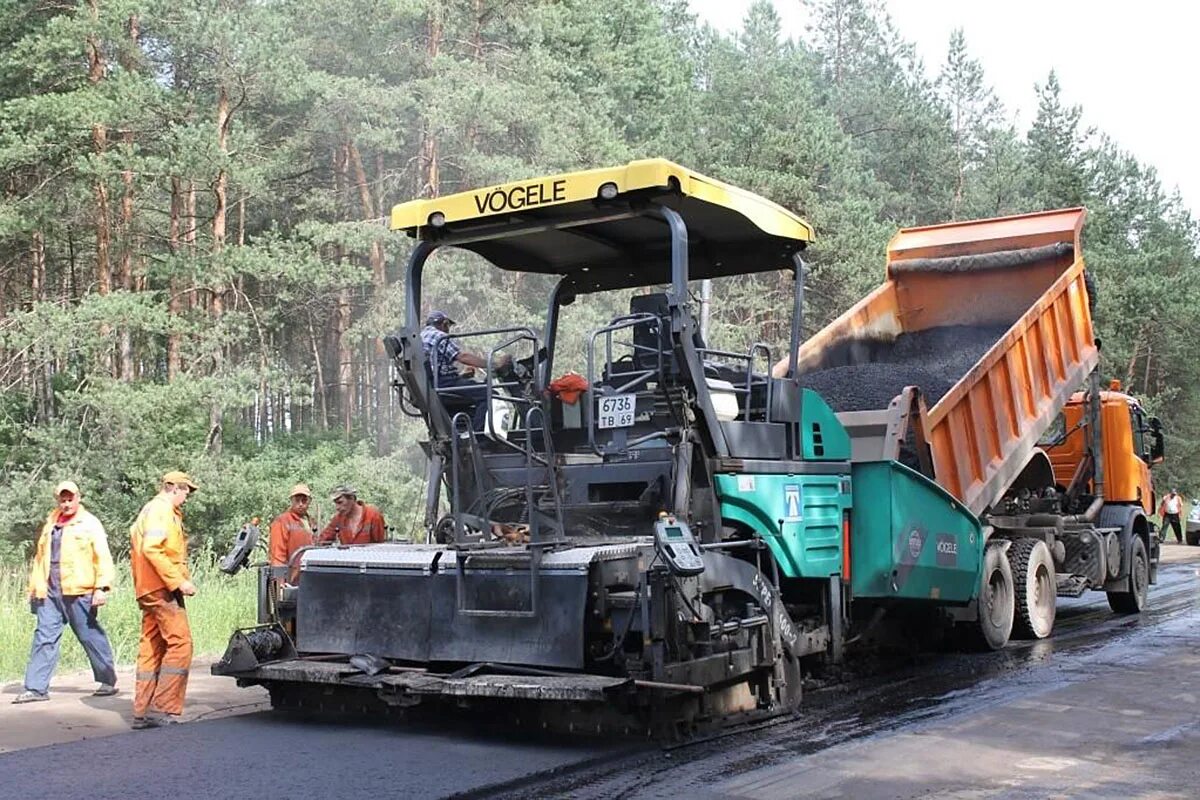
(995, 623)
(1192, 538)
(1035, 588)
(1133, 599)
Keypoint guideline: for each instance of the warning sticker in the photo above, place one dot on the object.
(745, 483)
(792, 509)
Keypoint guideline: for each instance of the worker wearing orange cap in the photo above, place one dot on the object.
(158, 558)
(293, 529)
(354, 522)
(71, 576)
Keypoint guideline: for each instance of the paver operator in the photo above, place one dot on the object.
(445, 355)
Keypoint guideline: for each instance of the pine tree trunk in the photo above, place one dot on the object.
(125, 271)
(42, 391)
(345, 356)
(174, 304)
(429, 143)
(217, 307)
(1146, 375)
(342, 314)
(320, 389)
(100, 189)
(378, 364)
(189, 214)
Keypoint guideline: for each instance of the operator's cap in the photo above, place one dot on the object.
(300, 489)
(180, 479)
(343, 490)
(66, 486)
(438, 317)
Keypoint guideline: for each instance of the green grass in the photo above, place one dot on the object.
(222, 603)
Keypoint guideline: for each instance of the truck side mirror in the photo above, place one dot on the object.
(1157, 447)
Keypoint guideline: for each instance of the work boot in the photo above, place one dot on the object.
(29, 696)
(105, 690)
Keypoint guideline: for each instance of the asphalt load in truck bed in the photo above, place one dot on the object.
(933, 360)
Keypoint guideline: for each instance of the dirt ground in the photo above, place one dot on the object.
(72, 713)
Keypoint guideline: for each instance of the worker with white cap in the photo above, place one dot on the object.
(293, 529)
(71, 576)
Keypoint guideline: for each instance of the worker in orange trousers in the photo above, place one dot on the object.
(158, 558)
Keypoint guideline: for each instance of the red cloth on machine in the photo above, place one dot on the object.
(569, 387)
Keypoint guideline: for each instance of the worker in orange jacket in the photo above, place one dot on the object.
(291, 530)
(354, 522)
(70, 579)
(158, 559)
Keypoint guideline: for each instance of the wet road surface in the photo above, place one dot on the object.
(263, 755)
(968, 725)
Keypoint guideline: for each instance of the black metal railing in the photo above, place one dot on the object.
(635, 380)
(745, 391)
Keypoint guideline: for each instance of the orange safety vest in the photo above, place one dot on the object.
(158, 548)
(289, 533)
(85, 563)
(370, 527)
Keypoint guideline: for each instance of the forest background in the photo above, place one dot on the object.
(195, 269)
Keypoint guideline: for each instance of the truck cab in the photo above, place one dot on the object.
(1132, 442)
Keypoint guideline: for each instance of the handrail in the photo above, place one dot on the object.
(638, 377)
(748, 358)
(551, 477)
(460, 426)
(433, 361)
(492, 384)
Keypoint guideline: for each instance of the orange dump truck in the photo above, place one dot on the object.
(974, 365)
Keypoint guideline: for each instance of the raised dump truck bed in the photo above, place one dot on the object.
(990, 321)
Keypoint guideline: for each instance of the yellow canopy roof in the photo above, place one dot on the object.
(595, 219)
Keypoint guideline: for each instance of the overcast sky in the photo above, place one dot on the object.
(1133, 67)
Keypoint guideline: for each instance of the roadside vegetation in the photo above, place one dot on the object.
(221, 604)
(195, 273)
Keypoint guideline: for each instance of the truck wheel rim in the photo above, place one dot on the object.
(1139, 577)
(995, 596)
(1044, 597)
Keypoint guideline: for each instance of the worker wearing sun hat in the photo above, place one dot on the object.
(71, 576)
(158, 559)
(293, 529)
(354, 522)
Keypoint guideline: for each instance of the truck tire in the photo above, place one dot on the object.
(1133, 599)
(1034, 587)
(995, 604)
(1192, 538)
